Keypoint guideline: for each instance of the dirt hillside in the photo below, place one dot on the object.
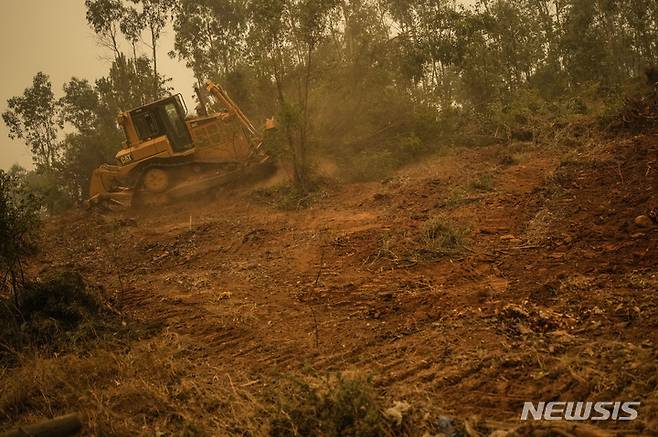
(464, 285)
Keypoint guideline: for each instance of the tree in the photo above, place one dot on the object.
(283, 40)
(154, 15)
(95, 140)
(32, 118)
(79, 105)
(309, 28)
(210, 36)
(92, 110)
(104, 17)
(130, 84)
(132, 25)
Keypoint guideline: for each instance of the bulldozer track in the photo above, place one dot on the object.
(231, 172)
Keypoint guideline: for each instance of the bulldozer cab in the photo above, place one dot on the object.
(164, 117)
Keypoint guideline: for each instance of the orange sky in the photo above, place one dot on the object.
(52, 36)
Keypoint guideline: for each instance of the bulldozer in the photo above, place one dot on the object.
(169, 155)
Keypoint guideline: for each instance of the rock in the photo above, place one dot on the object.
(523, 329)
(127, 221)
(643, 221)
(589, 254)
(396, 412)
(562, 336)
(447, 426)
(515, 311)
(653, 215)
(510, 239)
(387, 295)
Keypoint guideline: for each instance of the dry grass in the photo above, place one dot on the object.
(331, 406)
(57, 314)
(162, 386)
(456, 198)
(577, 368)
(440, 236)
(437, 237)
(483, 183)
(155, 386)
(538, 229)
(643, 281)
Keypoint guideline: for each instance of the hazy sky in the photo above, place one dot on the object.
(52, 36)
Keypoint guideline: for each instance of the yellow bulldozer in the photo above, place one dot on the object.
(169, 155)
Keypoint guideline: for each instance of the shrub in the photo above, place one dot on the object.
(287, 197)
(49, 187)
(441, 237)
(19, 217)
(54, 314)
(346, 407)
(378, 162)
(367, 165)
(483, 183)
(64, 298)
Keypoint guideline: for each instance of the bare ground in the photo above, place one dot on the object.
(550, 293)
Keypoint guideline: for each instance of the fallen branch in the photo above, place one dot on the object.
(62, 426)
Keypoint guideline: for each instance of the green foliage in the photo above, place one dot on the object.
(154, 16)
(131, 26)
(49, 187)
(284, 42)
(288, 197)
(80, 105)
(514, 69)
(104, 17)
(345, 407)
(375, 84)
(63, 299)
(369, 164)
(129, 84)
(484, 182)
(32, 117)
(441, 237)
(92, 110)
(110, 17)
(19, 218)
(64, 166)
(210, 36)
(52, 314)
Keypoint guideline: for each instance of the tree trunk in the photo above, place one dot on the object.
(155, 64)
(305, 122)
(297, 170)
(134, 57)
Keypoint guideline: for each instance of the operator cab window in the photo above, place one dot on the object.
(175, 119)
(147, 125)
